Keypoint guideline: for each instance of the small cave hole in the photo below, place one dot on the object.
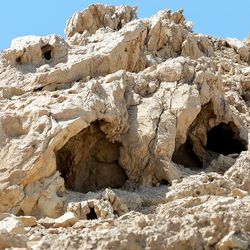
(19, 60)
(164, 183)
(224, 139)
(92, 214)
(210, 179)
(20, 212)
(197, 193)
(47, 52)
(89, 161)
(185, 156)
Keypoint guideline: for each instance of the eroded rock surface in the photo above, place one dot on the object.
(131, 134)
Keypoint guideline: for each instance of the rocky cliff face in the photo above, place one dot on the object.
(132, 134)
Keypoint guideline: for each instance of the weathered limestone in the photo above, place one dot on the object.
(99, 16)
(66, 220)
(131, 134)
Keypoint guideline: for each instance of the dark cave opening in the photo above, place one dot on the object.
(164, 183)
(89, 161)
(47, 52)
(221, 139)
(185, 156)
(47, 55)
(205, 143)
(19, 60)
(92, 214)
(224, 139)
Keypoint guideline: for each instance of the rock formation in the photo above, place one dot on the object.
(132, 134)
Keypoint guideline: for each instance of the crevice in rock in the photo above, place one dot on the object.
(38, 89)
(119, 26)
(57, 86)
(150, 145)
(89, 161)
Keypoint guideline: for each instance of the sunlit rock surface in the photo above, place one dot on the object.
(131, 134)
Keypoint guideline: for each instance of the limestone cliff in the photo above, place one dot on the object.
(131, 134)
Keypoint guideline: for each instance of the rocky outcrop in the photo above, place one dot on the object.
(99, 16)
(127, 114)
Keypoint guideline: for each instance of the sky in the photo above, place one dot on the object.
(220, 18)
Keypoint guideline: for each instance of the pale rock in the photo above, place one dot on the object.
(118, 206)
(66, 220)
(170, 71)
(239, 172)
(28, 221)
(240, 47)
(127, 201)
(31, 50)
(196, 46)
(239, 193)
(13, 241)
(199, 185)
(47, 222)
(97, 16)
(132, 134)
(222, 163)
(186, 105)
(231, 241)
(12, 225)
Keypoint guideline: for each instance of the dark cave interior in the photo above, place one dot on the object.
(89, 161)
(221, 139)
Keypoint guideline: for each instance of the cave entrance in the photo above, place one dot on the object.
(221, 139)
(92, 214)
(47, 52)
(224, 139)
(89, 161)
(206, 141)
(185, 156)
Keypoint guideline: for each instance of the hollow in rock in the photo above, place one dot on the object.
(19, 60)
(185, 156)
(89, 161)
(47, 52)
(92, 214)
(164, 183)
(224, 139)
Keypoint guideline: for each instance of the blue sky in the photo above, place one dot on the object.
(221, 18)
